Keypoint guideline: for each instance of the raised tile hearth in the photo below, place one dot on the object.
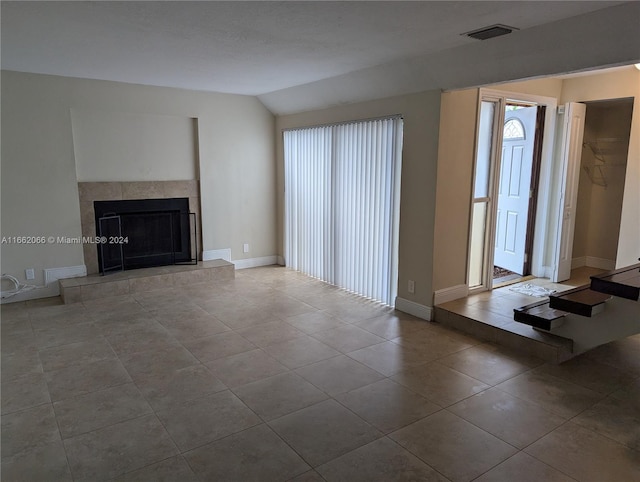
(75, 290)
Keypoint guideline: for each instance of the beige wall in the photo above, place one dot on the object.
(235, 148)
(617, 84)
(458, 114)
(421, 120)
(119, 146)
(551, 87)
(583, 205)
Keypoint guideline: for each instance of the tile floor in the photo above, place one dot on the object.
(275, 376)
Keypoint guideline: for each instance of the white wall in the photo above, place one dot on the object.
(235, 149)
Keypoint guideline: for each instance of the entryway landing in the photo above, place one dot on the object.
(489, 315)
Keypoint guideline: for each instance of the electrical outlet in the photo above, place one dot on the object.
(412, 286)
(30, 273)
(245, 248)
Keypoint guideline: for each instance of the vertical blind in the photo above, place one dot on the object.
(342, 191)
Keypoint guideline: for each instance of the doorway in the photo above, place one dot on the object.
(517, 187)
(509, 152)
(601, 182)
(592, 155)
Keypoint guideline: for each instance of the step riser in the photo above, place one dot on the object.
(615, 289)
(575, 308)
(534, 321)
(581, 301)
(545, 346)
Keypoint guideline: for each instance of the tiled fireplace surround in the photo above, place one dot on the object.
(117, 191)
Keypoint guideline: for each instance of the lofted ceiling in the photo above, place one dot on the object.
(312, 54)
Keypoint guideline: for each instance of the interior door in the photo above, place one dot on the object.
(514, 188)
(569, 168)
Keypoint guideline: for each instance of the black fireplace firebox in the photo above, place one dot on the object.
(142, 233)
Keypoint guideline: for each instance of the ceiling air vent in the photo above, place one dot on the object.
(490, 32)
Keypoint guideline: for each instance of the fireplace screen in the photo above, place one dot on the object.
(111, 255)
(145, 233)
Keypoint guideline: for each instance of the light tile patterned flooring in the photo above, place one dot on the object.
(276, 376)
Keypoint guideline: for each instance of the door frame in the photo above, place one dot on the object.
(535, 186)
(544, 194)
(569, 157)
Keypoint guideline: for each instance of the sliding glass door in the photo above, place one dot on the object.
(342, 188)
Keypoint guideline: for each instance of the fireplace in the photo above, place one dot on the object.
(143, 233)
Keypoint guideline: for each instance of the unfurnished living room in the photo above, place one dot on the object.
(320, 241)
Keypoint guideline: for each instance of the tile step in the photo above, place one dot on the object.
(581, 301)
(512, 335)
(539, 315)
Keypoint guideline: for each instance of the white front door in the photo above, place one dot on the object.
(569, 168)
(514, 188)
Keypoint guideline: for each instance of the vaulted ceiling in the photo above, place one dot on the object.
(306, 55)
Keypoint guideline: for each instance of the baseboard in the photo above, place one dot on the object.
(601, 263)
(413, 308)
(51, 286)
(578, 262)
(255, 262)
(450, 294)
(210, 254)
(538, 271)
(281, 261)
(547, 272)
(593, 262)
